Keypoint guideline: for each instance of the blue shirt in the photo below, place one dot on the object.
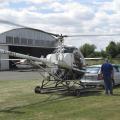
(107, 69)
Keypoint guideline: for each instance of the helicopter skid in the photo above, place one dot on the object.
(40, 90)
(75, 91)
(69, 86)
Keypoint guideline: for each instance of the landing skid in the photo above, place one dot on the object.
(72, 90)
(74, 87)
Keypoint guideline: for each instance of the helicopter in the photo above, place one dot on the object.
(64, 67)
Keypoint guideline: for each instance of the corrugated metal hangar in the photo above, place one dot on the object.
(27, 41)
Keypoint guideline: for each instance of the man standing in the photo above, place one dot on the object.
(107, 71)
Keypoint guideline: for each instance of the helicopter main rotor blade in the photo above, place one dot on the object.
(18, 25)
(57, 35)
(93, 35)
(10, 23)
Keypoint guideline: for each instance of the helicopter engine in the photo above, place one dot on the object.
(65, 61)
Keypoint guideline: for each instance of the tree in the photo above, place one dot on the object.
(97, 54)
(87, 50)
(118, 50)
(111, 49)
(103, 54)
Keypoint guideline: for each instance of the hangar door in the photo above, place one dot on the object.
(32, 51)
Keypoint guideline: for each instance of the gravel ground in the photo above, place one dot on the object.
(19, 75)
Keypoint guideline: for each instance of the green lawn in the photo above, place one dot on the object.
(94, 62)
(19, 102)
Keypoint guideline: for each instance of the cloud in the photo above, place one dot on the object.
(67, 17)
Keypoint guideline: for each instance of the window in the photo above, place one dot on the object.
(9, 40)
(30, 42)
(16, 40)
(38, 42)
(23, 41)
(92, 69)
(119, 68)
(116, 69)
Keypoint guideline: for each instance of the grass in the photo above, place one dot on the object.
(94, 62)
(19, 102)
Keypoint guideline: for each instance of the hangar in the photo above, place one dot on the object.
(26, 41)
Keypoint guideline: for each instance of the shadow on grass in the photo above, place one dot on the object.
(11, 110)
(50, 99)
(115, 94)
(88, 93)
(91, 93)
(47, 101)
(117, 86)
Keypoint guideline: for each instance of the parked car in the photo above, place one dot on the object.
(93, 76)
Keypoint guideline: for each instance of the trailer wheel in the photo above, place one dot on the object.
(77, 92)
(37, 89)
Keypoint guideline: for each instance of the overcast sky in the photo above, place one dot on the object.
(66, 17)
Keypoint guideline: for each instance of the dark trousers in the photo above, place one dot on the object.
(108, 84)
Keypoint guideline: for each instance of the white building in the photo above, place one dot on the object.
(26, 41)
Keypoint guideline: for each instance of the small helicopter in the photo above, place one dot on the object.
(64, 67)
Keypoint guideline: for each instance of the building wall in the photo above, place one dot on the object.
(28, 37)
(25, 41)
(4, 64)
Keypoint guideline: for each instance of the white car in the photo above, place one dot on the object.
(93, 76)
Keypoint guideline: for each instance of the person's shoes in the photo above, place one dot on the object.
(111, 93)
(106, 93)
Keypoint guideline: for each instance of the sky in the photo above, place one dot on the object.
(69, 17)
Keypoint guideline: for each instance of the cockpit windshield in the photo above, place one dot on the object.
(65, 49)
